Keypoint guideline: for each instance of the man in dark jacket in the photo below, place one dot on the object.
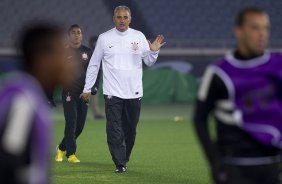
(75, 109)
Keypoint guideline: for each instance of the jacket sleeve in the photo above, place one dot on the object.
(149, 57)
(94, 66)
(95, 88)
(211, 90)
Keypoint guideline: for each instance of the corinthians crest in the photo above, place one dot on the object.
(84, 56)
(68, 97)
(134, 46)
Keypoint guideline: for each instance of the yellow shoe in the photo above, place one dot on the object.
(59, 155)
(73, 159)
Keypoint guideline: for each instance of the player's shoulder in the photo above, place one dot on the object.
(107, 33)
(85, 48)
(19, 83)
(217, 62)
(276, 55)
(136, 32)
(214, 68)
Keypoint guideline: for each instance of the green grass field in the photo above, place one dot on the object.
(165, 152)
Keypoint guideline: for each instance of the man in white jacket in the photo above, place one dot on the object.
(121, 50)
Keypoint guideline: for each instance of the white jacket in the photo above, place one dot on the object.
(122, 54)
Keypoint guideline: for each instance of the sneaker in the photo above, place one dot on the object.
(120, 170)
(73, 159)
(59, 155)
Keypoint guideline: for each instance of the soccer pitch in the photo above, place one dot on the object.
(165, 151)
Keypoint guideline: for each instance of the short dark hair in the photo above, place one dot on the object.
(241, 16)
(37, 40)
(72, 27)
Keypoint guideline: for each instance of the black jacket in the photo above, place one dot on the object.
(82, 55)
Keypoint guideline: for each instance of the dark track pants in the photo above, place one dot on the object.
(122, 118)
(75, 111)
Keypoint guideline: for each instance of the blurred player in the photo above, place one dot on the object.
(75, 109)
(121, 50)
(25, 120)
(94, 101)
(243, 92)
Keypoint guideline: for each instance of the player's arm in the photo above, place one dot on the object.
(95, 88)
(211, 90)
(150, 51)
(16, 138)
(92, 70)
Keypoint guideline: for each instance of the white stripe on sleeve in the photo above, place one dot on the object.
(205, 84)
(18, 125)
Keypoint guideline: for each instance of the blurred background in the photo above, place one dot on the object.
(197, 32)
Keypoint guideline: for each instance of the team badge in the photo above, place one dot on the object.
(134, 46)
(68, 98)
(84, 56)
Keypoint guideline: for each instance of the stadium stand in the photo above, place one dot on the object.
(185, 23)
(92, 16)
(205, 23)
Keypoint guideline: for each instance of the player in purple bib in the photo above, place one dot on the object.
(25, 118)
(254, 89)
(243, 92)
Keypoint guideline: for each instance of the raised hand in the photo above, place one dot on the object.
(157, 43)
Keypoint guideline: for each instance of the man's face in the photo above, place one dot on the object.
(122, 19)
(253, 35)
(58, 65)
(75, 36)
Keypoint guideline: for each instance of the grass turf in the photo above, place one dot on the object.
(165, 152)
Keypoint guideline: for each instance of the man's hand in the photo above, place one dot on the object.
(85, 96)
(157, 43)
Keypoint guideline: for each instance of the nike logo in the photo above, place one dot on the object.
(111, 46)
